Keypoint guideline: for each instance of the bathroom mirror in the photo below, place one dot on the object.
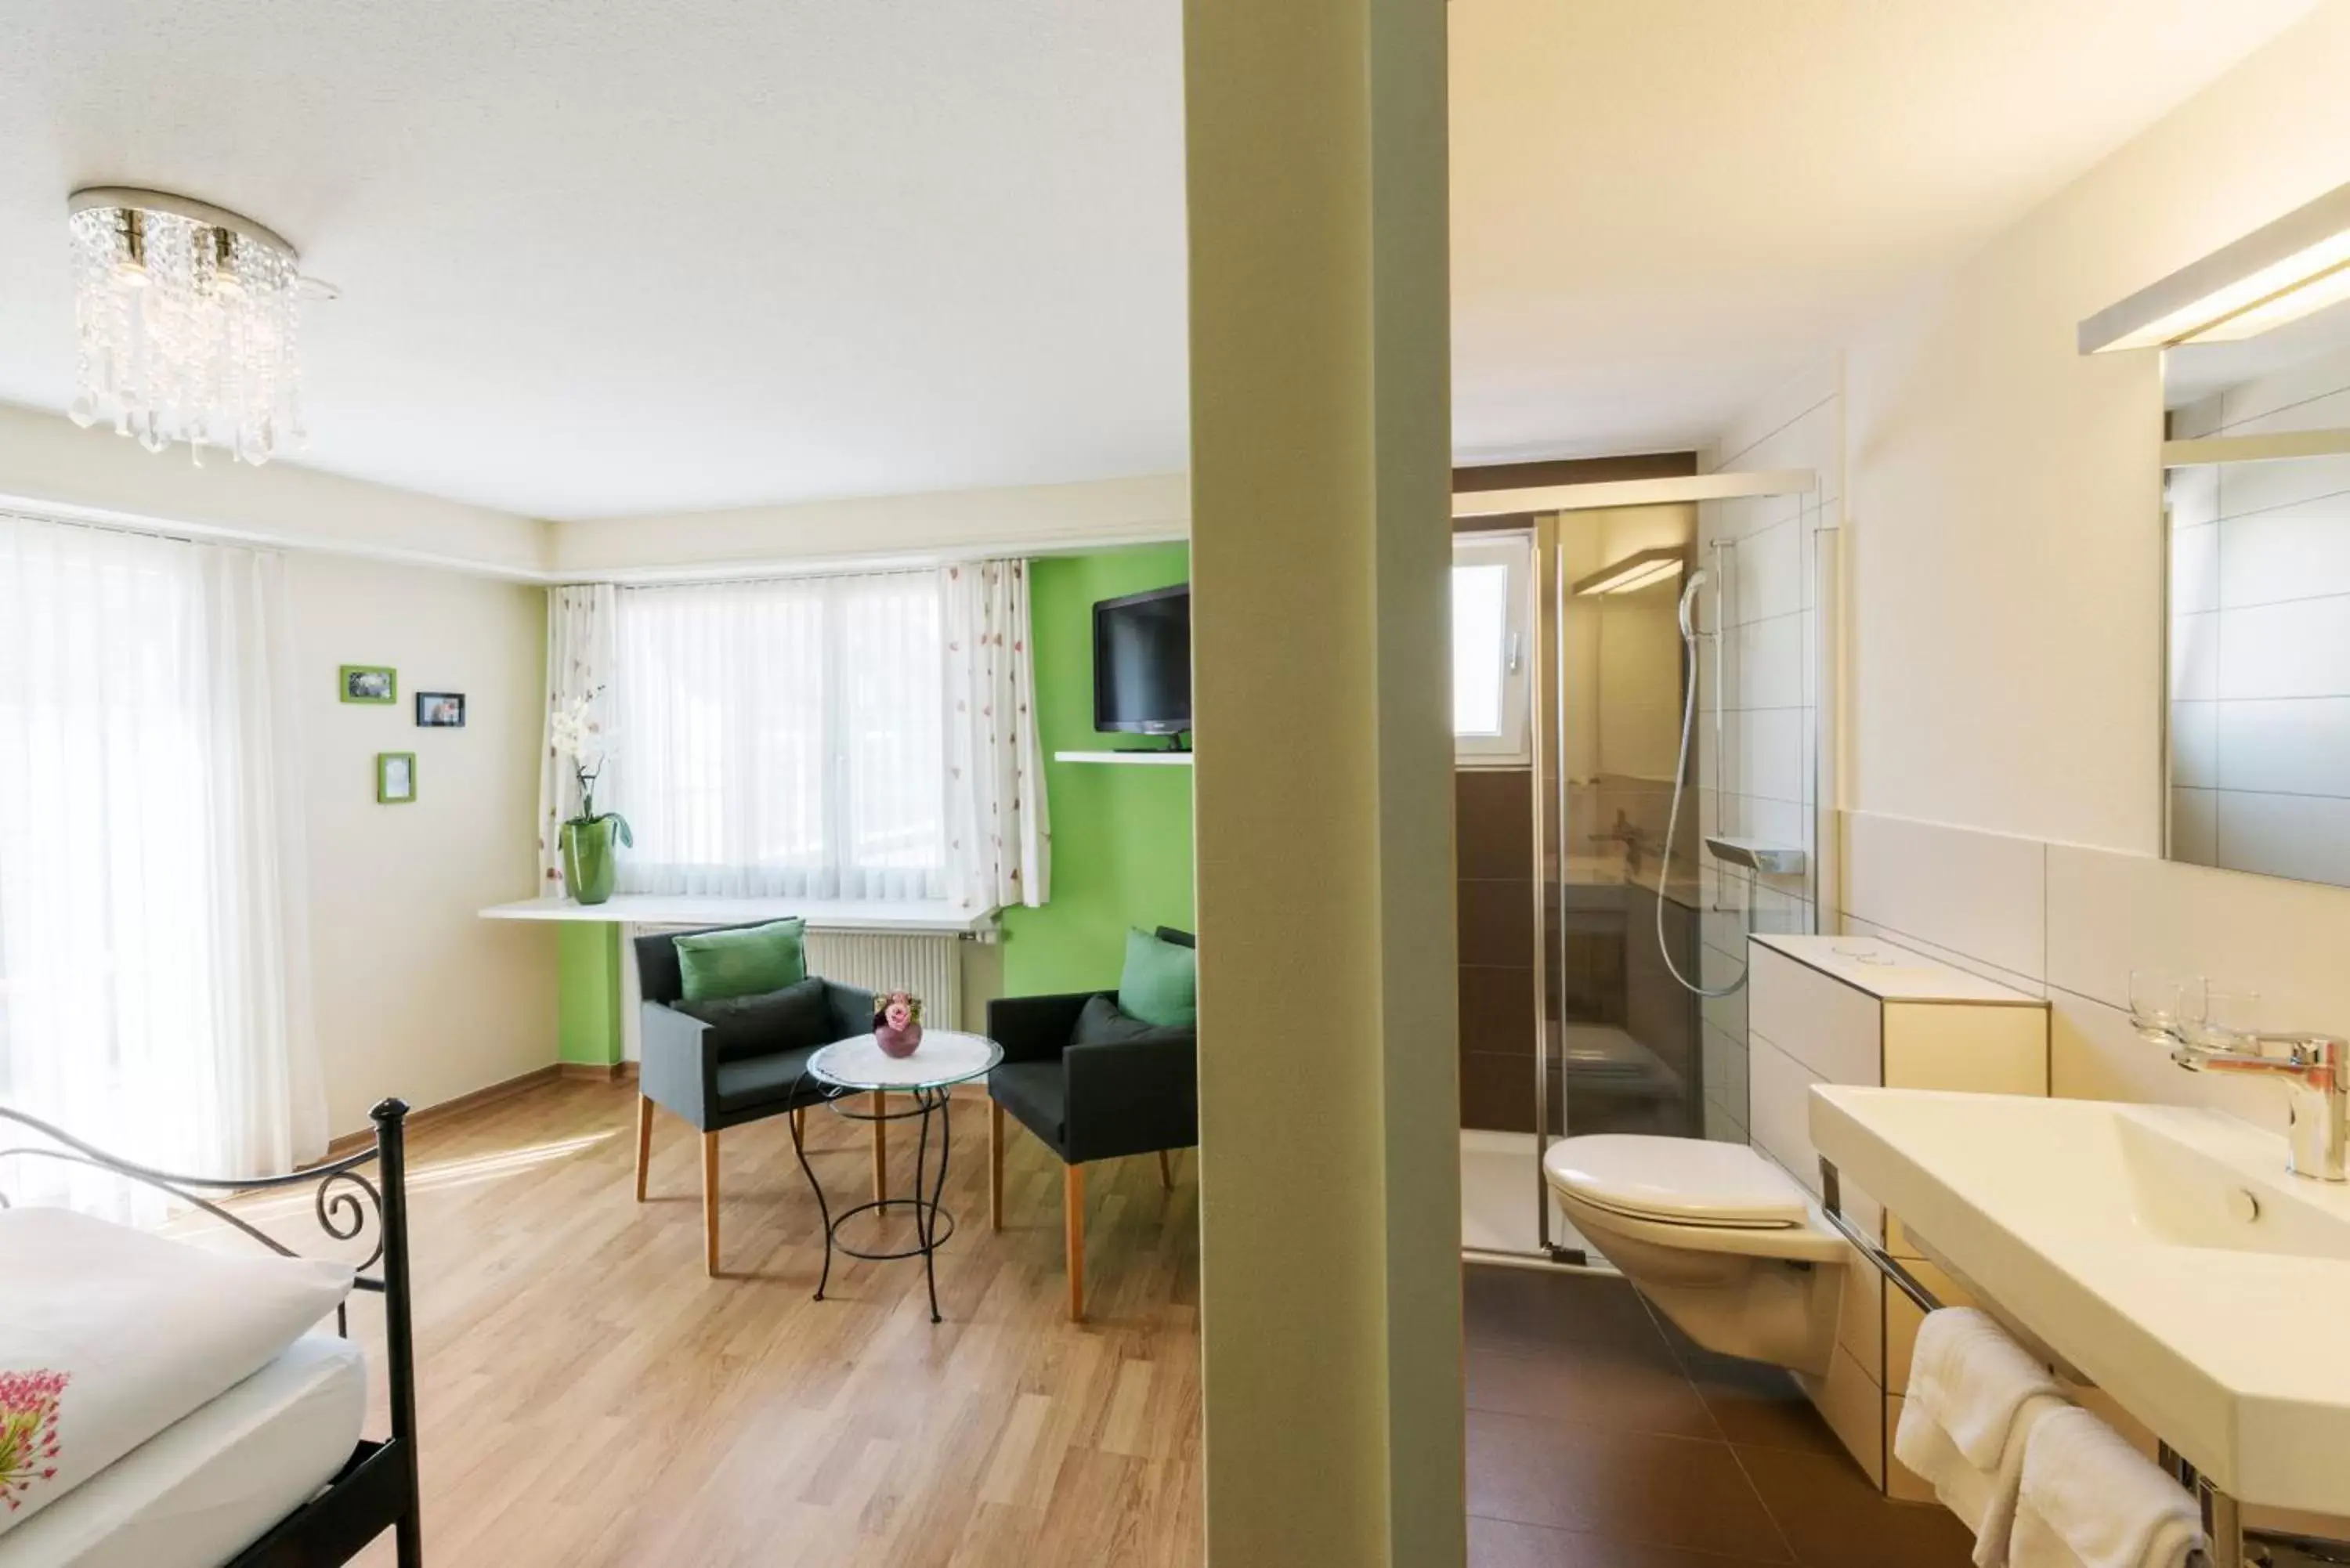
(2256, 498)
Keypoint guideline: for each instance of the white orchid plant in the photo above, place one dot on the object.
(578, 735)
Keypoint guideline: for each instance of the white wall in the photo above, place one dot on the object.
(1027, 520)
(2004, 568)
(416, 995)
(52, 466)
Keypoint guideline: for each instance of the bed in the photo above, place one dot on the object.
(270, 1471)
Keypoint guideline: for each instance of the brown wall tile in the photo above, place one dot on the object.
(1493, 823)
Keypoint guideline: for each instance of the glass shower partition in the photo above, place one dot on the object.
(1593, 1031)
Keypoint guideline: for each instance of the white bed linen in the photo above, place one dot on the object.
(211, 1484)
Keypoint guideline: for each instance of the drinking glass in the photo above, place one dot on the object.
(2230, 1019)
(2161, 1002)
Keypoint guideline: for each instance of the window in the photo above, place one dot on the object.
(783, 739)
(1491, 649)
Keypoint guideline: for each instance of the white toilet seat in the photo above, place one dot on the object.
(1689, 1194)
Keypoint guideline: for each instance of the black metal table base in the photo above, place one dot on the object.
(932, 1223)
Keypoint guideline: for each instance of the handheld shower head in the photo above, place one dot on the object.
(1689, 602)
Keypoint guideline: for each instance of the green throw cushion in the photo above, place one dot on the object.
(714, 965)
(1161, 982)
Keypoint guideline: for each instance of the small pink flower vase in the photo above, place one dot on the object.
(897, 1043)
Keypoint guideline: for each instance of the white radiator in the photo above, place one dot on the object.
(928, 964)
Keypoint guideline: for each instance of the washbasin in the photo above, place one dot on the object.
(2167, 1253)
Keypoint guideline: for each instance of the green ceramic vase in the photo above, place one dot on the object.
(590, 861)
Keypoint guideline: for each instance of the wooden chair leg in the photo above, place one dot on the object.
(644, 1142)
(799, 1123)
(709, 1204)
(1073, 1226)
(1166, 1172)
(994, 1165)
(880, 1147)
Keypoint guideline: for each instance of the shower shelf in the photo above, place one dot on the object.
(1757, 855)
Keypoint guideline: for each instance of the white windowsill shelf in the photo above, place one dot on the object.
(689, 909)
(1129, 759)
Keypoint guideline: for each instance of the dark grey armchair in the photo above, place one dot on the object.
(738, 1062)
(1103, 1098)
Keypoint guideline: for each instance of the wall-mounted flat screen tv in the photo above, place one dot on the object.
(1142, 662)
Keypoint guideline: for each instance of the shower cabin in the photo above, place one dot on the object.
(1636, 708)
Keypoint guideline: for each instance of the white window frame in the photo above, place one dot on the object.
(1513, 747)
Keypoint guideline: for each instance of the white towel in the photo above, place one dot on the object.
(1974, 1397)
(2090, 1501)
(1984, 1500)
(1971, 1379)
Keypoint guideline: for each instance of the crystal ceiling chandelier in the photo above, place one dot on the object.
(186, 315)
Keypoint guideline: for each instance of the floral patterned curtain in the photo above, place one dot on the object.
(999, 836)
(580, 658)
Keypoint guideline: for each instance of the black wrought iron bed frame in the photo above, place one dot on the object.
(376, 1490)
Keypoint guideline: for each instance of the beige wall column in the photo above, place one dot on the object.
(1330, 1201)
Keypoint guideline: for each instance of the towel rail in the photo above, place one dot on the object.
(1886, 1263)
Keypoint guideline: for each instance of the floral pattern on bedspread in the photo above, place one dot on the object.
(28, 1430)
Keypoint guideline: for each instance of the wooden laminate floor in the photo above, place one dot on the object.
(587, 1396)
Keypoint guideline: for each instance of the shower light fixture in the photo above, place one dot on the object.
(2289, 269)
(1643, 568)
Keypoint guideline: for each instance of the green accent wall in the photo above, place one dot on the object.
(1122, 835)
(588, 1016)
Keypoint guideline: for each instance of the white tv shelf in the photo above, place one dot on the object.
(1132, 759)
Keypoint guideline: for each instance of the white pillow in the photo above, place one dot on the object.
(109, 1334)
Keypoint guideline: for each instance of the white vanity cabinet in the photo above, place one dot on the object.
(1861, 1010)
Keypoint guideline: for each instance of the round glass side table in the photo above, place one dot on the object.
(857, 1065)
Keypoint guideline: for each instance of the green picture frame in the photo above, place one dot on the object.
(377, 685)
(395, 778)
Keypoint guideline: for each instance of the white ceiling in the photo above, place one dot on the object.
(600, 257)
(1660, 209)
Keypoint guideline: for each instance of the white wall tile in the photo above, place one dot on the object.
(2296, 552)
(1768, 578)
(1977, 893)
(2194, 569)
(2109, 913)
(2285, 834)
(2195, 745)
(1770, 657)
(2249, 488)
(2297, 649)
(2095, 1055)
(2195, 657)
(2293, 746)
(1769, 749)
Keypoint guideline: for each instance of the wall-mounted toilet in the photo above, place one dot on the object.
(1723, 1242)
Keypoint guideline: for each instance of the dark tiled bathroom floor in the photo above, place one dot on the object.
(1600, 1439)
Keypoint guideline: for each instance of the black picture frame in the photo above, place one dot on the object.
(433, 710)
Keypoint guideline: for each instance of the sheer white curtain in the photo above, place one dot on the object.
(154, 968)
(783, 738)
(999, 839)
(581, 622)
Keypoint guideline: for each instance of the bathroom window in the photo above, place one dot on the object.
(1492, 650)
